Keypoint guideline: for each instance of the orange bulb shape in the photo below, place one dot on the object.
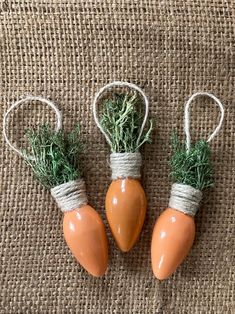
(173, 236)
(85, 235)
(125, 210)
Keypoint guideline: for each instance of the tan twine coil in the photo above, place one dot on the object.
(184, 197)
(123, 165)
(69, 195)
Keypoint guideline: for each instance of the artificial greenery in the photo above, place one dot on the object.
(192, 167)
(55, 155)
(121, 119)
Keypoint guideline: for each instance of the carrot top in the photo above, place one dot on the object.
(121, 119)
(193, 167)
(53, 155)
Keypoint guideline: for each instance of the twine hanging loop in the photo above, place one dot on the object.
(187, 117)
(19, 103)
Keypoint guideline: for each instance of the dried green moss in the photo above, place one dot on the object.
(55, 155)
(121, 119)
(194, 167)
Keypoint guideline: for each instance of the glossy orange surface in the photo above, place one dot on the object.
(85, 235)
(125, 209)
(173, 236)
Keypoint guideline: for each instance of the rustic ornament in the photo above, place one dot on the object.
(122, 123)
(54, 157)
(174, 231)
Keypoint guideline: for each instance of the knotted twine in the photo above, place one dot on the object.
(69, 195)
(186, 198)
(123, 165)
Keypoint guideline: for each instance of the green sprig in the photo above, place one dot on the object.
(193, 167)
(55, 155)
(121, 119)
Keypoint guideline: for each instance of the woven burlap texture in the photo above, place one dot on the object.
(67, 50)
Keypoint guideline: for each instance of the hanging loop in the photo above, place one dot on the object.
(20, 102)
(120, 84)
(187, 117)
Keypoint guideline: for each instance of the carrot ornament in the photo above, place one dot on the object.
(54, 157)
(174, 231)
(120, 122)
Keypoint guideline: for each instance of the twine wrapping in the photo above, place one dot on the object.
(185, 198)
(125, 165)
(70, 195)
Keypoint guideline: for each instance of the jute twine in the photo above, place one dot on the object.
(70, 195)
(125, 165)
(20, 102)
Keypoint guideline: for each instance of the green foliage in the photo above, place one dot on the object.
(55, 155)
(194, 167)
(121, 119)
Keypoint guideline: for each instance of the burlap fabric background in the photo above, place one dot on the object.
(66, 51)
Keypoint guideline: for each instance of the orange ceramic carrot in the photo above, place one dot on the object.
(174, 231)
(53, 156)
(125, 202)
